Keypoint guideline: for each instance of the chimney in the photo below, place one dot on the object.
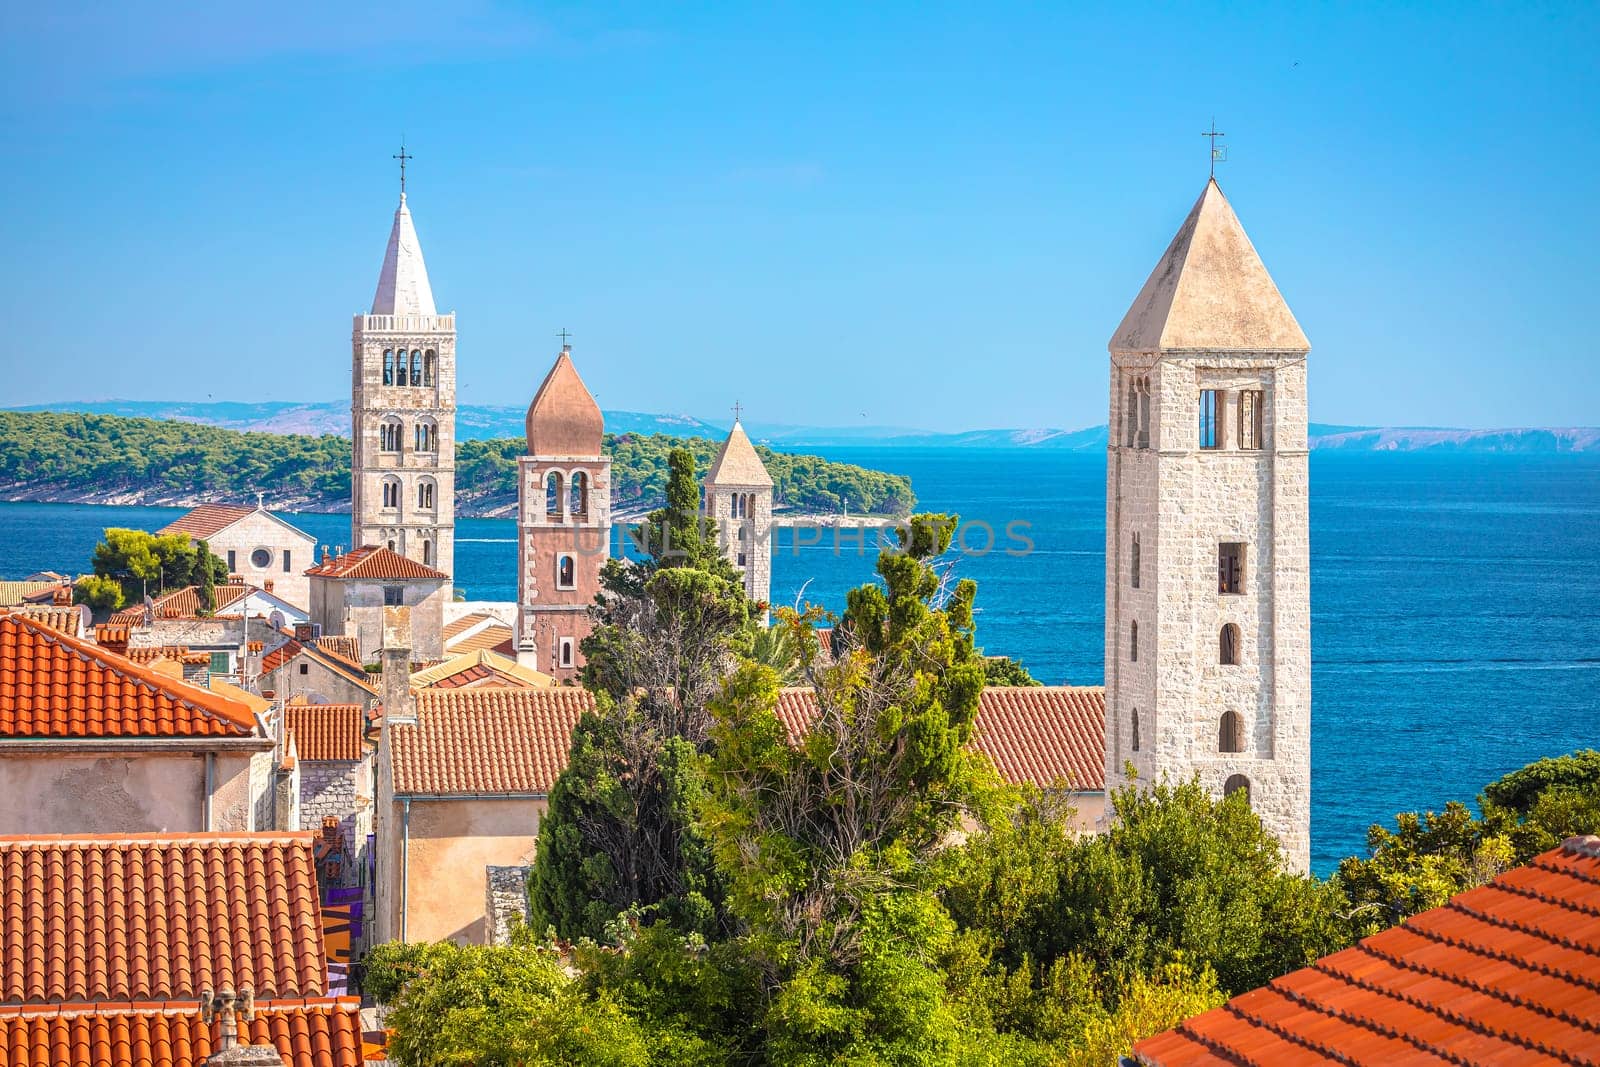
(327, 553)
(398, 703)
(266, 586)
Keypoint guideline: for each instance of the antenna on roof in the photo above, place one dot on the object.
(1218, 155)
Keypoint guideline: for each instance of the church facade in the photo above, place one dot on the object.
(403, 411)
(1208, 624)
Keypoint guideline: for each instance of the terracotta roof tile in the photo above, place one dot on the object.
(344, 646)
(482, 668)
(486, 740)
(1037, 734)
(374, 562)
(493, 638)
(1505, 973)
(313, 1032)
(14, 593)
(67, 620)
(456, 627)
(52, 685)
(328, 731)
(207, 520)
(158, 916)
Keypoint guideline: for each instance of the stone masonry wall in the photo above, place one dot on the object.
(506, 904)
(340, 789)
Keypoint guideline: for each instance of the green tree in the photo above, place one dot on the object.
(1002, 670)
(621, 834)
(100, 593)
(1431, 856)
(205, 570)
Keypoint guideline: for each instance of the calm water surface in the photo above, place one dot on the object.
(1454, 626)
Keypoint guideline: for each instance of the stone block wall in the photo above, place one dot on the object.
(339, 789)
(506, 904)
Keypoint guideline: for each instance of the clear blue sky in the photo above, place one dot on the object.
(920, 215)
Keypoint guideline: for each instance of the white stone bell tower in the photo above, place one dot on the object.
(1208, 614)
(403, 411)
(738, 495)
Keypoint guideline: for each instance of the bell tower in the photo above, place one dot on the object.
(1208, 625)
(738, 495)
(563, 521)
(403, 411)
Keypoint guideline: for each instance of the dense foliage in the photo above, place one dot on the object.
(155, 458)
(1430, 856)
(132, 564)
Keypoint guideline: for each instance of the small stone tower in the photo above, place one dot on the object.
(563, 521)
(1208, 631)
(738, 495)
(403, 411)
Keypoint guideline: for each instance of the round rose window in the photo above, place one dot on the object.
(261, 559)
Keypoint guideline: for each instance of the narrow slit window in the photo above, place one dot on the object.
(1230, 567)
(1133, 563)
(1136, 729)
(1210, 431)
(1228, 645)
(1230, 732)
(1251, 404)
(1133, 642)
(1144, 413)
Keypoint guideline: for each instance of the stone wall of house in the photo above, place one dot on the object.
(317, 683)
(340, 789)
(1184, 502)
(288, 553)
(506, 905)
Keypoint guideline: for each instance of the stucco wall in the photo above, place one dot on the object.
(61, 793)
(453, 843)
(546, 614)
(319, 684)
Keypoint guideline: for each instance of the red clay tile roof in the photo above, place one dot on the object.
(486, 740)
(112, 636)
(52, 685)
(1037, 734)
(1508, 973)
(493, 638)
(287, 651)
(314, 1032)
(176, 653)
(465, 623)
(374, 562)
(67, 620)
(328, 731)
(207, 520)
(158, 916)
(342, 645)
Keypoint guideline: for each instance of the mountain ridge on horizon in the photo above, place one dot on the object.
(483, 421)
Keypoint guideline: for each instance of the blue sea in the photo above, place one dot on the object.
(1455, 631)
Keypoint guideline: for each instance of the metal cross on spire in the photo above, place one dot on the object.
(737, 410)
(402, 156)
(1218, 155)
(565, 337)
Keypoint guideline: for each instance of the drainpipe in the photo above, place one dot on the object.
(211, 784)
(405, 860)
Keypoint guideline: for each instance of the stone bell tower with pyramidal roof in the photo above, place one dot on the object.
(563, 521)
(1208, 612)
(738, 495)
(403, 411)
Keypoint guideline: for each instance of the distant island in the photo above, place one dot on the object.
(111, 459)
(490, 422)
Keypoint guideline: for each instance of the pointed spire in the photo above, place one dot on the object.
(403, 287)
(1210, 292)
(563, 419)
(737, 463)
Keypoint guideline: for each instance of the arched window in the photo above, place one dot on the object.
(1133, 642)
(425, 495)
(427, 436)
(1237, 783)
(1230, 732)
(566, 572)
(389, 435)
(428, 364)
(391, 546)
(427, 553)
(1133, 561)
(416, 367)
(1131, 416)
(388, 366)
(1144, 412)
(1136, 729)
(391, 493)
(552, 495)
(578, 506)
(1228, 645)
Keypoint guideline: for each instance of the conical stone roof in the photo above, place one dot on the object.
(403, 287)
(738, 464)
(563, 419)
(1210, 292)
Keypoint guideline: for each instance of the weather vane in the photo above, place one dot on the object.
(1218, 155)
(402, 157)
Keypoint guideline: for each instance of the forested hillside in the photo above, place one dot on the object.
(111, 459)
